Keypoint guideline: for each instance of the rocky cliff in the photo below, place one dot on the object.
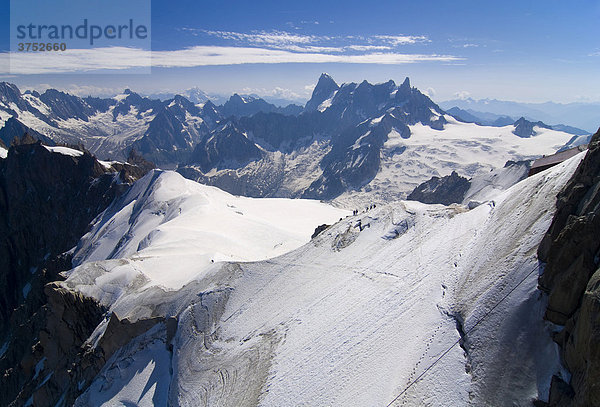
(48, 197)
(446, 190)
(571, 278)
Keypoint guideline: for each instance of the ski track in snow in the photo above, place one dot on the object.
(339, 321)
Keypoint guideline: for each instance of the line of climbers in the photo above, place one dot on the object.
(368, 208)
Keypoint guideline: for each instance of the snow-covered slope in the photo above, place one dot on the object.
(3, 152)
(65, 151)
(350, 319)
(171, 229)
(486, 186)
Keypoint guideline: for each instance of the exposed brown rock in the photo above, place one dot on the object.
(582, 349)
(120, 331)
(47, 201)
(571, 278)
(44, 374)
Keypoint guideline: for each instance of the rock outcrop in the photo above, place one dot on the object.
(227, 147)
(525, 129)
(324, 89)
(246, 106)
(446, 190)
(47, 200)
(571, 278)
(13, 130)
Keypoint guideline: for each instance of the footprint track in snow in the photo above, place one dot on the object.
(413, 372)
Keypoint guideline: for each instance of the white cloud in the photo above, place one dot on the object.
(265, 38)
(86, 90)
(367, 47)
(320, 43)
(122, 58)
(463, 94)
(309, 88)
(401, 39)
(79, 90)
(594, 54)
(430, 92)
(309, 48)
(277, 92)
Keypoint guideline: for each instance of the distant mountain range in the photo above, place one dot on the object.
(584, 116)
(491, 119)
(355, 141)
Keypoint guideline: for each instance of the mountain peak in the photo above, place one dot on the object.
(209, 105)
(236, 98)
(406, 83)
(325, 76)
(325, 80)
(326, 86)
(525, 128)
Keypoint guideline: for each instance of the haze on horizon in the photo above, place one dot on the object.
(522, 51)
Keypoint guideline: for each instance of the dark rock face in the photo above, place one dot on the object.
(139, 167)
(277, 132)
(13, 129)
(355, 125)
(571, 251)
(180, 106)
(56, 363)
(99, 104)
(9, 93)
(446, 190)
(227, 147)
(210, 114)
(169, 137)
(354, 158)
(48, 370)
(164, 133)
(325, 88)
(165, 139)
(39, 190)
(318, 230)
(47, 201)
(65, 106)
(525, 129)
(141, 104)
(246, 106)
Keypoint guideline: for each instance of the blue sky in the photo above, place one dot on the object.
(512, 50)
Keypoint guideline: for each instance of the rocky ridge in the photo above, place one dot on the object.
(571, 279)
(47, 200)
